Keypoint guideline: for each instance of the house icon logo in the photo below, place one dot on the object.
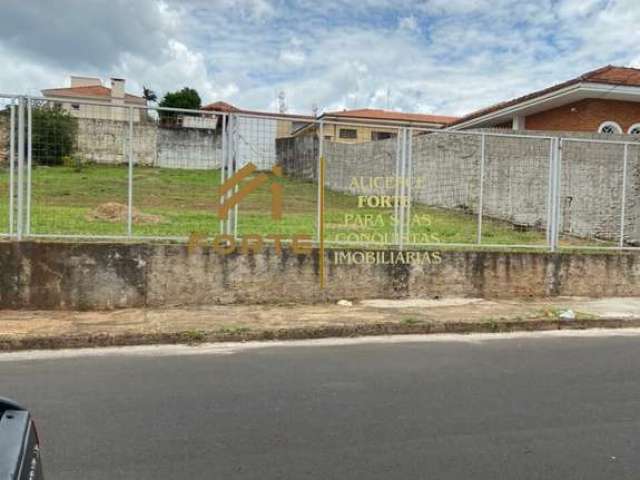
(230, 201)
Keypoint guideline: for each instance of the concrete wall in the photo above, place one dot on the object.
(40, 275)
(105, 141)
(515, 181)
(192, 148)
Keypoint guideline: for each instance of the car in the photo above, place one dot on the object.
(19, 443)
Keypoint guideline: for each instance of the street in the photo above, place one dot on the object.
(557, 406)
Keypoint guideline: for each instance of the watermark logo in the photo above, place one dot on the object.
(230, 196)
(230, 201)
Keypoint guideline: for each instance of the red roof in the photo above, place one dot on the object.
(228, 108)
(364, 113)
(610, 75)
(221, 107)
(373, 114)
(96, 91)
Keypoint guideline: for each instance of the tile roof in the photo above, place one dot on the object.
(374, 114)
(611, 75)
(221, 107)
(97, 91)
(228, 108)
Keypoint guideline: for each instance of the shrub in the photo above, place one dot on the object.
(54, 133)
(187, 98)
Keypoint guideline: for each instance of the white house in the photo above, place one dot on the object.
(89, 89)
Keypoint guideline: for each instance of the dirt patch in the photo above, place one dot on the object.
(115, 212)
(27, 329)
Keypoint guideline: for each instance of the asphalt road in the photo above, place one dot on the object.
(552, 408)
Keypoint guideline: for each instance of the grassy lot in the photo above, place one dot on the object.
(179, 202)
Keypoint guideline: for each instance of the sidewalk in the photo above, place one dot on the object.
(21, 330)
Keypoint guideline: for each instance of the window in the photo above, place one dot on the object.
(75, 106)
(348, 133)
(609, 128)
(382, 135)
(634, 129)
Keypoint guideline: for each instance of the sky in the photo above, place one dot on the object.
(446, 57)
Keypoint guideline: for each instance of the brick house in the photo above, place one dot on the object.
(606, 100)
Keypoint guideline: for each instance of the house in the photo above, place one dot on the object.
(91, 90)
(285, 123)
(255, 132)
(606, 100)
(366, 124)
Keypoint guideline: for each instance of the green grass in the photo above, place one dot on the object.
(186, 202)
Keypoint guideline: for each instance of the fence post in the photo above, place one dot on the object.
(554, 213)
(481, 189)
(230, 169)
(130, 179)
(408, 180)
(29, 164)
(234, 163)
(403, 167)
(624, 193)
(223, 165)
(552, 146)
(396, 206)
(20, 212)
(12, 161)
(320, 176)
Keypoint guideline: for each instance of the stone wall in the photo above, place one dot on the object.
(516, 176)
(106, 141)
(41, 275)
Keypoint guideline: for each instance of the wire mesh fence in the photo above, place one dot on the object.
(173, 187)
(515, 191)
(79, 175)
(281, 204)
(87, 170)
(445, 188)
(594, 179)
(7, 163)
(362, 198)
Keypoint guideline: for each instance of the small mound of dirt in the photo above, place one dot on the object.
(115, 212)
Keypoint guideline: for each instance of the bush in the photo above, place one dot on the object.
(187, 98)
(54, 133)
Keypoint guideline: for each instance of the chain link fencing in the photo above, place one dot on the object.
(597, 201)
(7, 164)
(91, 170)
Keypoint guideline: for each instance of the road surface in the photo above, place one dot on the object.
(544, 406)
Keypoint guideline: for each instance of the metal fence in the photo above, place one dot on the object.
(91, 170)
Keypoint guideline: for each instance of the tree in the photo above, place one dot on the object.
(149, 95)
(54, 133)
(187, 98)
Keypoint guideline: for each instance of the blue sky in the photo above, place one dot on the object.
(430, 56)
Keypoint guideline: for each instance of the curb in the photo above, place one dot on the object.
(9, 344)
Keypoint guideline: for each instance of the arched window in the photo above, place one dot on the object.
(634, 129)
(609, 128)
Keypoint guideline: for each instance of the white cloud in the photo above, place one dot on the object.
(442, 56)
(457, 7)
(408, 23)
(292, 57)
